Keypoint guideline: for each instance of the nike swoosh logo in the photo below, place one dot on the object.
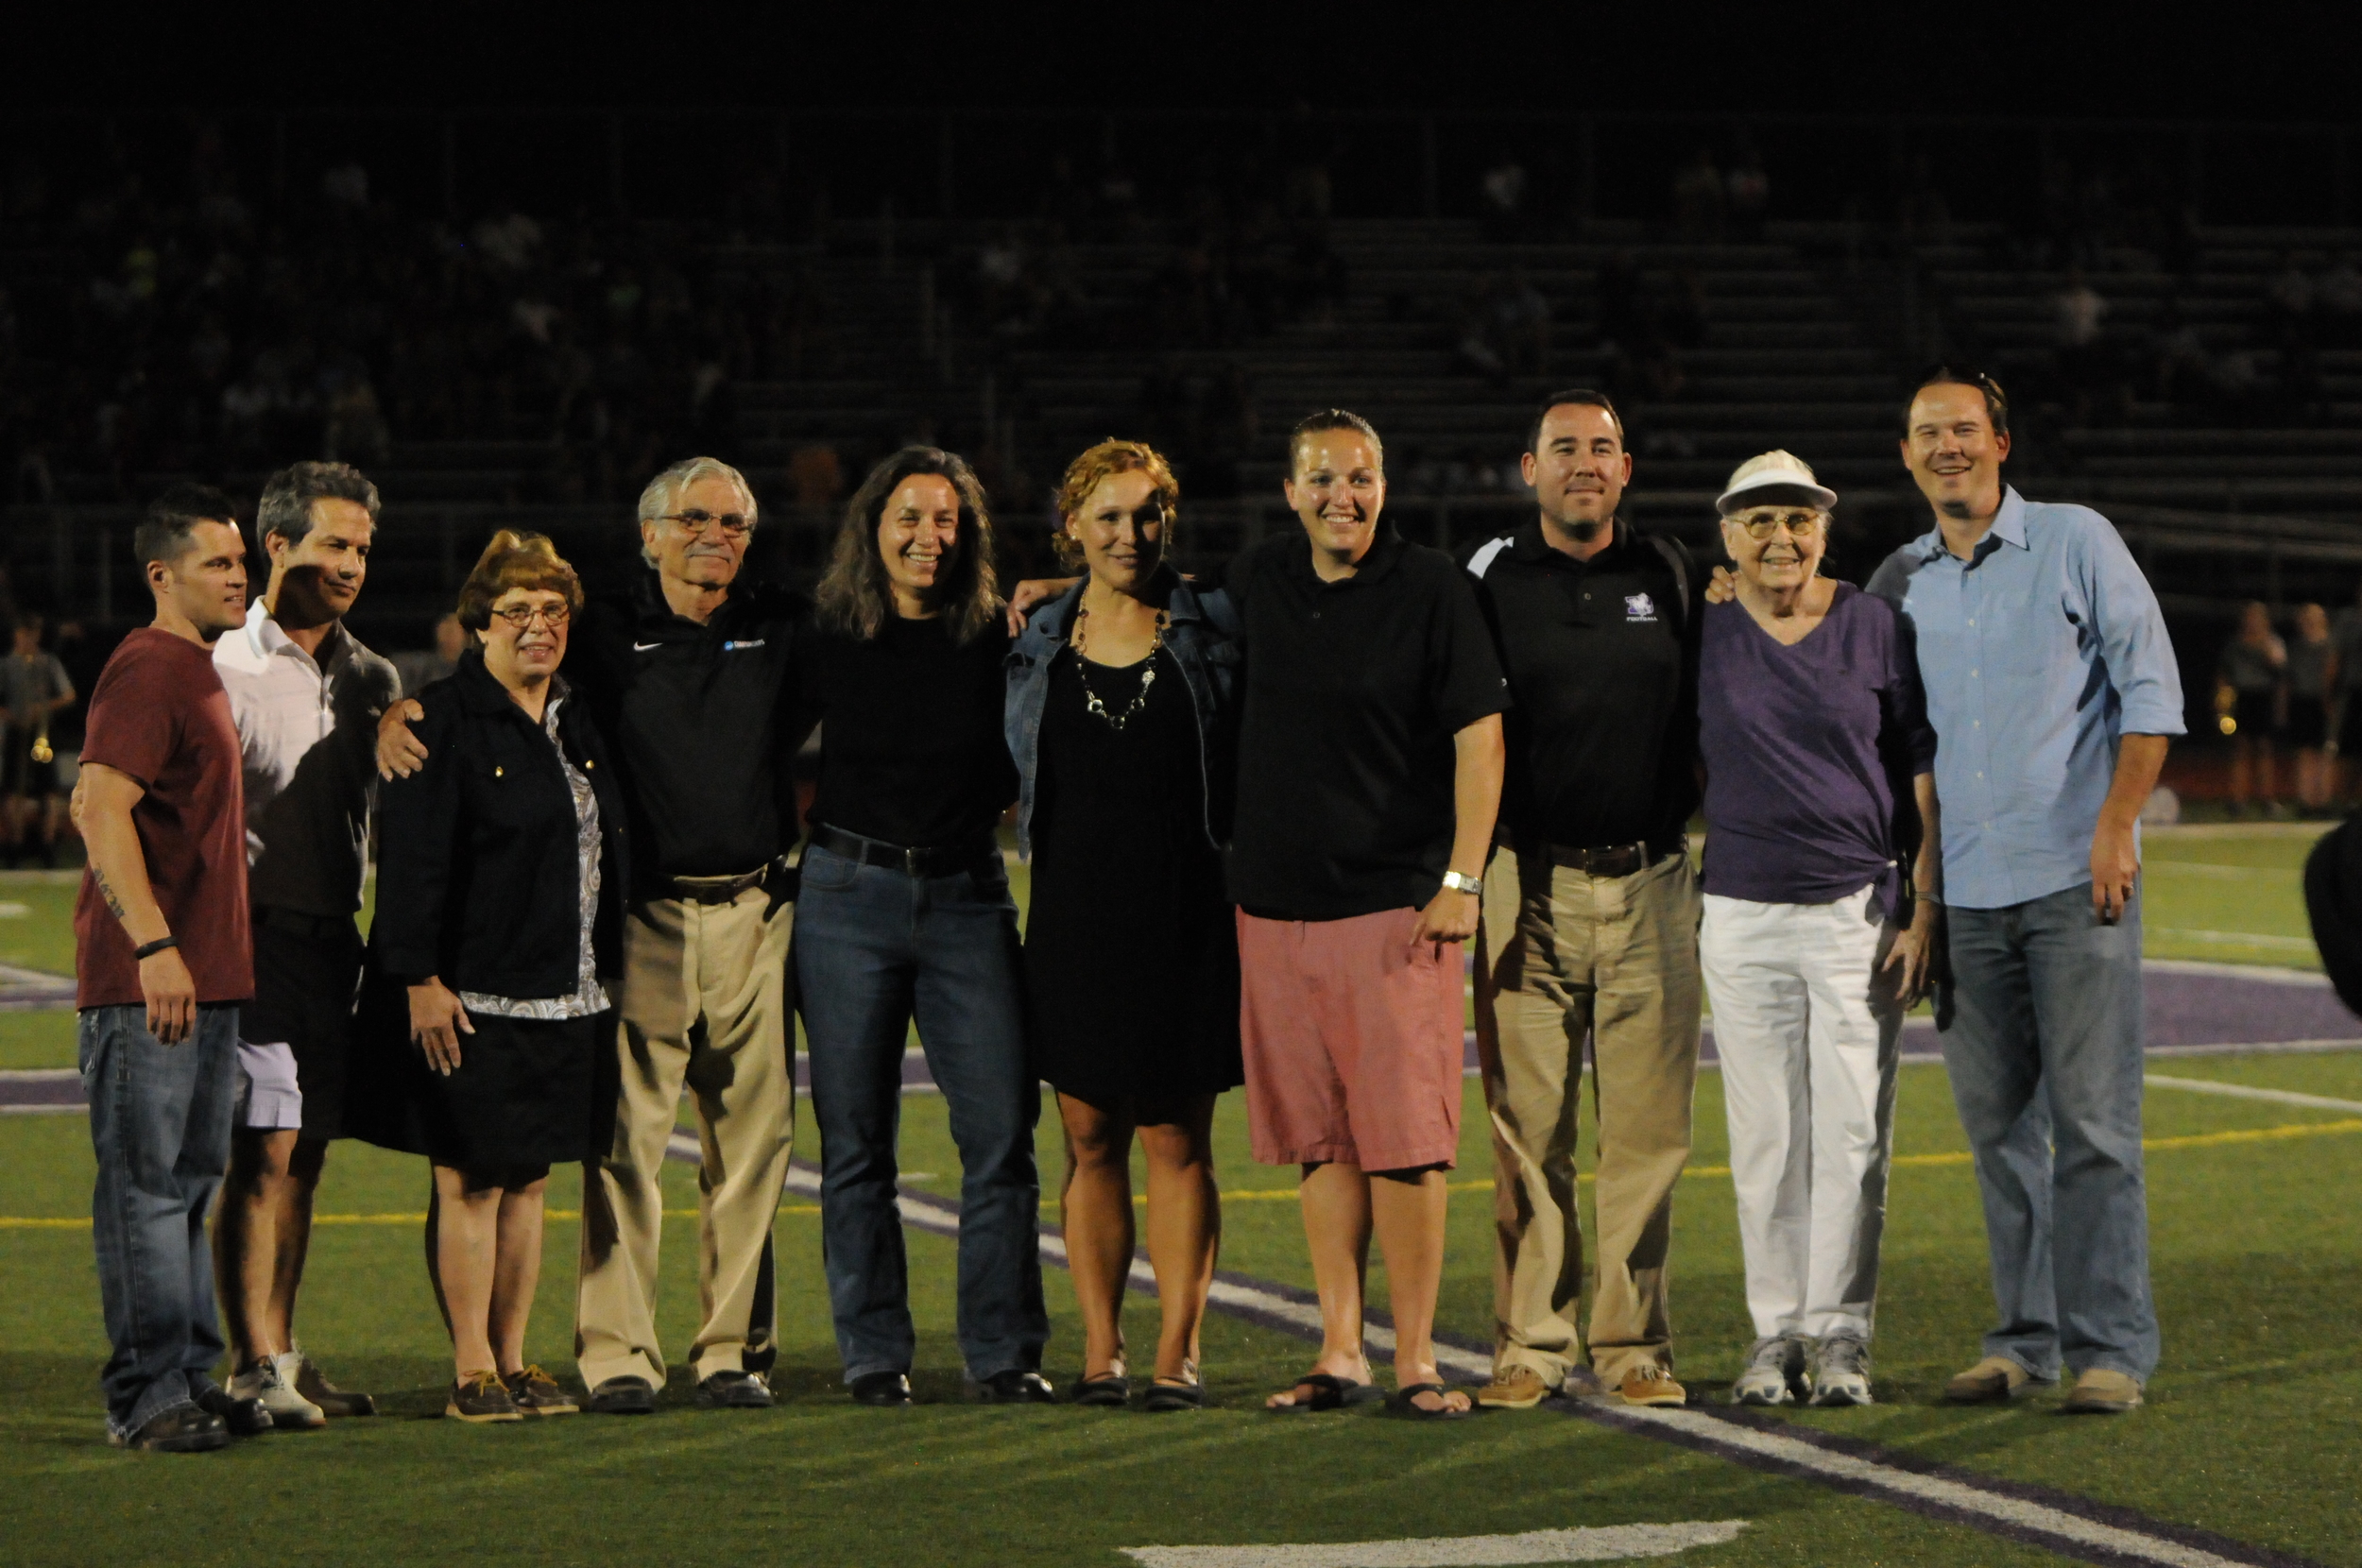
(644, 647)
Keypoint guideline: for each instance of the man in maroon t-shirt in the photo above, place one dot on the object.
(162, 962)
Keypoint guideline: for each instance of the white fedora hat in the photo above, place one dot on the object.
(1770, 478)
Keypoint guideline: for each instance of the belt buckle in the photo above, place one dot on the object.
(910, 862)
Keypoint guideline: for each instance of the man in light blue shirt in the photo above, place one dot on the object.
(2053, 691)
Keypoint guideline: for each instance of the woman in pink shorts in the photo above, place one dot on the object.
(1370, 769)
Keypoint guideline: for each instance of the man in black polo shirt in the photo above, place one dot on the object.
(1590, 915)
(688, 677)
(1370, 769)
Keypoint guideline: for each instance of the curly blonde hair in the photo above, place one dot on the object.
(515, 560)
(1103, 462)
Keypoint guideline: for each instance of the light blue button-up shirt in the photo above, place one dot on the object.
(2037, 652)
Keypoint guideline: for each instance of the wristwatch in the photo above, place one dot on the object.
(1458, 883)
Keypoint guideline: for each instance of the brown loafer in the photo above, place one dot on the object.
(332, 1402)
(1514, 1388)
(2103, 1391)
(1995, 1380)
(1645, 1384)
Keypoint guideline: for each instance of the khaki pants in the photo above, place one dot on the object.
(706, 1004)
(1564, 954)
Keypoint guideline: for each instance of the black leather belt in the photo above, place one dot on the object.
(315, 928)
(721, 890)
(1613, 860)
(920, 860)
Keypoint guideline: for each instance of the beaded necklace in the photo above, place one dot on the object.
(1148, 675)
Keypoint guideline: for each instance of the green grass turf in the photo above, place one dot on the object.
(2251, 1430)
(2253, 1427)
(2232, 893)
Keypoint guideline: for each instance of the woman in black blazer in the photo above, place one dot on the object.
(501, 871)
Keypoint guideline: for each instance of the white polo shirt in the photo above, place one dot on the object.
(308, 732)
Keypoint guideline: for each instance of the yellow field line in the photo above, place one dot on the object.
(1288, 1195)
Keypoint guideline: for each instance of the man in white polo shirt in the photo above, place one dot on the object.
(305, 696)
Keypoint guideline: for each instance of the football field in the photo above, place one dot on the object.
(2249, 1450)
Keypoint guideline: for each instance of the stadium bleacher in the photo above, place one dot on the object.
(544, 391)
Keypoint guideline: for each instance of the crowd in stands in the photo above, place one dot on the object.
(179, 325)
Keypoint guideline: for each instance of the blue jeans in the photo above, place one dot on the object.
(2044, 1050)
(159, 1125)
(875, 947)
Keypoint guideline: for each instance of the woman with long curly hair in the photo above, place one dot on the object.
(905, 916)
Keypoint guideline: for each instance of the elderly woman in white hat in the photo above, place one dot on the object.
(1819, 764)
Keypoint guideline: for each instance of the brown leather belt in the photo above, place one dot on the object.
(721, 890)
(1614, 860)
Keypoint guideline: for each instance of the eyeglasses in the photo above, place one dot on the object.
(1801, 525)
(734, 526)
(520, 616)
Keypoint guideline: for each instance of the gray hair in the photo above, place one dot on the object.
(285, 508)
(662, 496)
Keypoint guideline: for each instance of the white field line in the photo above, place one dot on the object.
(2270, 974)
(2227, 873)
(2247, 1091)
(2237, 939)
(1615, 1543)
(1902, 1487)
(1900, 1484)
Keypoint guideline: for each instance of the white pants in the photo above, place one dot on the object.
(1809, 1032)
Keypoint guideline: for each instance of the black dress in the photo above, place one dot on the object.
(1130, 947)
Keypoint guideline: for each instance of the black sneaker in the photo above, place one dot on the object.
(481, 1397)
(733, 1390)
(537, 1393)
(1014, 1387)
(884, 1389)
(622, 1396)
(245, 1417)
(183, 1429)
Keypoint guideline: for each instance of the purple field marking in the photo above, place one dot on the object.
(2185, 1005)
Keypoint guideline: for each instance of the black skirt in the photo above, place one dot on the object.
(1131, 947)
(527, 1092)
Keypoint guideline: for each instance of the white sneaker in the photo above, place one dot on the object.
(272, 1380)
(1775, 1375)
(1840, 1371)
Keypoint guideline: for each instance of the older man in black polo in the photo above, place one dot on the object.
(686, 674)
(1590, 916)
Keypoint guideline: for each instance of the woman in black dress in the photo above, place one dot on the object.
(499, 866)
(1120, 711)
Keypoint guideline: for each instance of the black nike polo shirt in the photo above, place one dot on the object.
(700, 721)
(1602, 657)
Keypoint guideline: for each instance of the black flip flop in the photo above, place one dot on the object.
(1328, 1393)
(1400, 1403)
(1173, 1396)
(1111, 1389)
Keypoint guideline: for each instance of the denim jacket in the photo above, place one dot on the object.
(1203, 636)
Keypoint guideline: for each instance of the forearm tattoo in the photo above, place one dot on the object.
(106, 890)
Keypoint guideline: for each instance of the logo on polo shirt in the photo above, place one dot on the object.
(1639, 607)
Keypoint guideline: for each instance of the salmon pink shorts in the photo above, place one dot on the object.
(1353, 1041)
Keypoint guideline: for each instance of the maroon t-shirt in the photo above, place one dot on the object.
(158, 713)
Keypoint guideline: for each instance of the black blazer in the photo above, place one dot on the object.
(477, 880)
